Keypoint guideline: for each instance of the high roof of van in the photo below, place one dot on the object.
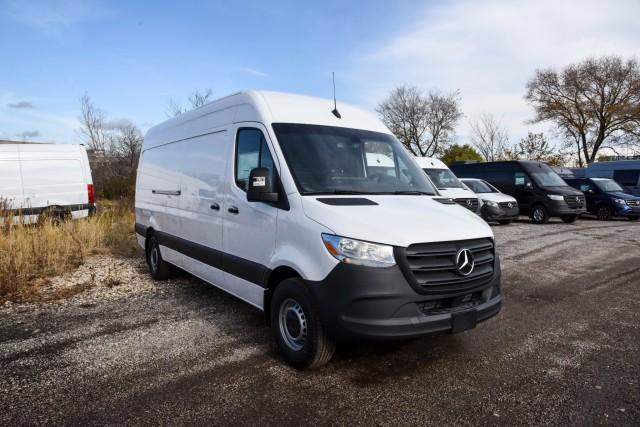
(265, 107)
(430, 163)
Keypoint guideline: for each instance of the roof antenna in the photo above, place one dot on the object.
(335, 104)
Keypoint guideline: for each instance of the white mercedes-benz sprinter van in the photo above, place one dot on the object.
(50, 179)
(321, 219)
(447, 183)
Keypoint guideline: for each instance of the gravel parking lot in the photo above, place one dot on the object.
(564, 349)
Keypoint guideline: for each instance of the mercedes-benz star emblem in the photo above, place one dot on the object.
(464, 262)
(510, 205)
(469, 203)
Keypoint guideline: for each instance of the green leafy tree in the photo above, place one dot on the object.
(457, 152)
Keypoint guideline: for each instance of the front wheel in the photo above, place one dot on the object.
(297, 327)
(539, 215)
(569, 219)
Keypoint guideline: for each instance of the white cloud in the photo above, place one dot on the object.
(53, 16)
(254, 72)
(490, 49)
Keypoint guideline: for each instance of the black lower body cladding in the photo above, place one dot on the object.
(560, 208)
(490, 213)
(378, 304)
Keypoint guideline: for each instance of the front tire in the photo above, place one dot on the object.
(604, 213)
(297, 327)
(158, 268)
(539, 215)
(569, 219)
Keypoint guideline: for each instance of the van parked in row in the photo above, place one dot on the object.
(495, 205)
(448, 184)
(539, 190)
(606, 198)
(624, 172)
(321, 220)
(50, 179)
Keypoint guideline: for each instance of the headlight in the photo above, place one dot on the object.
(619, 201)
(555, 197)
(490, 203)
(351, 251)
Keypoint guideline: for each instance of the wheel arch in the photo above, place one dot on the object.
(277, 276)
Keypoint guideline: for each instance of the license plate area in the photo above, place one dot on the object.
(463, 320)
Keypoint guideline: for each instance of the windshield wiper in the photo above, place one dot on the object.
(412, 192)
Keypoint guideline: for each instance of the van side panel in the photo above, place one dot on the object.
(11, 194)
(158, 189)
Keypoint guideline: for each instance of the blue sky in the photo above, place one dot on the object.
(133, 57)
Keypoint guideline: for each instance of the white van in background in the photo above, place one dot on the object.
(447, 183)
(45, 178)
(321, 219)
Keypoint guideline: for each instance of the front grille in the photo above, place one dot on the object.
(448, 305)
(574, 201)
(471, 204)
(505, 205)
(633, 203)
(430, 268)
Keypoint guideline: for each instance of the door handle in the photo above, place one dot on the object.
(215, 206)
(234, 210)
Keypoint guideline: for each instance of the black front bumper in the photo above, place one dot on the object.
(561, 208)
(368, 303)
(490, 213)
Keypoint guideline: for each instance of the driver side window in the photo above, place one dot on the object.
(252, 151)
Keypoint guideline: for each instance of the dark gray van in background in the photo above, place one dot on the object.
(541, 193)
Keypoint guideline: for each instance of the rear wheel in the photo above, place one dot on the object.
(539, 215)
(297, 327)
(569, 219)
(604, 212)
(158, 268)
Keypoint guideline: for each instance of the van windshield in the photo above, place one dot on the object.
(544, 176)
(479, 187)
(443, 178)
(335, 160)
(608, 186)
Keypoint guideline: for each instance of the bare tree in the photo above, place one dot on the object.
(423, 123)
(593, 103)
(489, 137)
(197, 99)
(92, 126)
(534, 147)
(126, 142)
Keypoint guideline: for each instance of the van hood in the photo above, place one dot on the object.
(496, 197)
(562, 191)
(621, 195)
(457, 193)
(397, 220)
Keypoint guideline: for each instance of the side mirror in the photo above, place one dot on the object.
(262, 186)
(528, 185)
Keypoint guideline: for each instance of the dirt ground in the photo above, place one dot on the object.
(564, 350)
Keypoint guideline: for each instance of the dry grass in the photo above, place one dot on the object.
(29, 253)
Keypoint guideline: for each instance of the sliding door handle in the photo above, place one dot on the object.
(214, 206)
(233, 210)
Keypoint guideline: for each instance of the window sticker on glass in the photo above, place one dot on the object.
(584, 187)
(519, 178)
(259, 181)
